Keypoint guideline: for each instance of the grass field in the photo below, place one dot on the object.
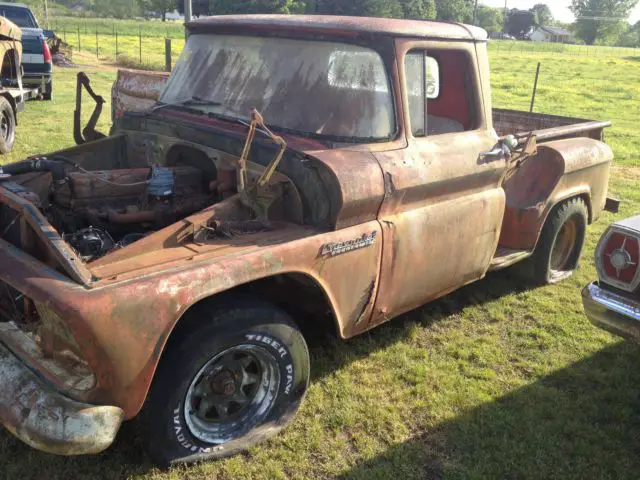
(495, 381)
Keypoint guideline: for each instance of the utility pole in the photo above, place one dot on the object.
(504, 29)
(188, 11)
(475, 13)
(46, 14)
(188, 15)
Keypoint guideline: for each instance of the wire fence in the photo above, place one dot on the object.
(519, 46)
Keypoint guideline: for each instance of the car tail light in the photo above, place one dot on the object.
(46, 52)
(618, 259)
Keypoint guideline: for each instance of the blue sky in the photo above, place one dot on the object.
(560, 8)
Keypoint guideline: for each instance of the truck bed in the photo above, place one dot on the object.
(545, 127)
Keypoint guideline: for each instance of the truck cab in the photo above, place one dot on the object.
(290, 165)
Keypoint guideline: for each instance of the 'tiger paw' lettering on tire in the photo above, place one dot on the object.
(282, 351)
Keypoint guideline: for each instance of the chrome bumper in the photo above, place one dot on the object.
(612, 312)
(45, 419)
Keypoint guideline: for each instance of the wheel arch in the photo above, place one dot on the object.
(261, 288)
(276, 289)
(583, 193)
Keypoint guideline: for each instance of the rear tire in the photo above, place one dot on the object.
(48, 92)
(7, 126)
(561, 242)
(237, 378)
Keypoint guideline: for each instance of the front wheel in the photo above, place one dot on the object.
(561, 242)
(233, 382)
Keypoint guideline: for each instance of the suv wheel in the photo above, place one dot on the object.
(232, 382)
(48, 91)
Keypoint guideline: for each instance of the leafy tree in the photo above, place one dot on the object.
(116, 8)
(543, 15)
(419, 9)
(491, 19)
(630, 38)
(364, 8)
(520, 22)
(159, 6)
(456, 10)
(600, 20)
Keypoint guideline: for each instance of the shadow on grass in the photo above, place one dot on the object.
(126, 458)
(633, 59)
(580, 422)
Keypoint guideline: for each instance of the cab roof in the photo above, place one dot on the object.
(337, 25)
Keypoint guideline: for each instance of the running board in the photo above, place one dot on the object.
(505, 257)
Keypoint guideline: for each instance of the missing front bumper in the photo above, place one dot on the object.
(45, 419)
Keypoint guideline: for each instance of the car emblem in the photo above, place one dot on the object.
(333, 249)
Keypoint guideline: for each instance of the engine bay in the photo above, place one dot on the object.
(97, 212)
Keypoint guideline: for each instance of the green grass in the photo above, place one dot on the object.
(149, 28)
(494, 381)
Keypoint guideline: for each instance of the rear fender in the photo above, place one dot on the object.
(562, 169)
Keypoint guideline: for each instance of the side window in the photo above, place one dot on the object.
(438, 87)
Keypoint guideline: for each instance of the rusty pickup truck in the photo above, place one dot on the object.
(294, 171)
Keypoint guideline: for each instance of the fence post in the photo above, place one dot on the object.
(535, 89)
(79, 42)
(64, 32)
(141, 45)
(97, 45)
(117, 49)
(167, 53)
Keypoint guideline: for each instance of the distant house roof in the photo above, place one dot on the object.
(557, 31)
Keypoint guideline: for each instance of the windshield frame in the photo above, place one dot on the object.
(384, 47)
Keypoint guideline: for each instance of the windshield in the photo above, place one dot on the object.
(310, 87)
(20, 16)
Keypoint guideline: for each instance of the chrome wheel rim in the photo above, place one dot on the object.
(231, 394)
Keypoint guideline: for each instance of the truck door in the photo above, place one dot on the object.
(444, 204)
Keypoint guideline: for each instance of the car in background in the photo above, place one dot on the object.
(613, 302)
(37, 60)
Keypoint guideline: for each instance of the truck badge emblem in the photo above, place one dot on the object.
(333, 249)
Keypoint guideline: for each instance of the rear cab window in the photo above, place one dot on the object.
(22, 17)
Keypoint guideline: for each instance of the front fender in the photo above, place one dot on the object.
(124, 326)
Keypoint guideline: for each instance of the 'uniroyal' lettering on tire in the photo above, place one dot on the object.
(182, 440)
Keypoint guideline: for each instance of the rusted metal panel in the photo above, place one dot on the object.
(48, 421)
(442, 211)
(141, 309)
(41, 227)
(561, 170)
(9, 30)
(336, 25)
(136, 91)
(545, 127)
